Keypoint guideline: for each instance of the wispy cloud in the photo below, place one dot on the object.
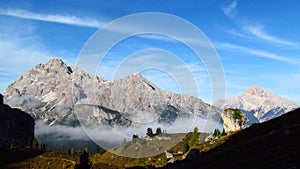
(69, 20)
(252, 31)
(255, 52)
(230, 10)
(260, 33)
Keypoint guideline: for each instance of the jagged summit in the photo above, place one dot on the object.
(138, 79)
(259, 104)
(258, 91)
(50, 91)
(55, 61)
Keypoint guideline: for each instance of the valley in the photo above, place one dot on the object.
(131, 123)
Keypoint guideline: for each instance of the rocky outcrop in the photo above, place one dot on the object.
(258, 104)
(53, 91)
(233, 120)
(16, 126)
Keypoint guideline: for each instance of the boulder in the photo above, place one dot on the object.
(233, 120)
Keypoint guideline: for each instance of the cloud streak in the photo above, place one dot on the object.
(259, 53)
(68, 20)
(259, 32)
(231, 9)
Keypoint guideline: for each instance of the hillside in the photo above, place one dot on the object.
(272, 144)
(16, 126)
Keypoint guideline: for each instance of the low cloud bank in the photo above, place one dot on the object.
(108, 137)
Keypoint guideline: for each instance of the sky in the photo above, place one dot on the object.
(257, 42)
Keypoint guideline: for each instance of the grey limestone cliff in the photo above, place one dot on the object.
(56, 92)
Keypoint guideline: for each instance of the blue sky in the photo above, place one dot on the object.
(258, 42)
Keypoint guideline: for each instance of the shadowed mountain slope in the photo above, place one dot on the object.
(272, 144)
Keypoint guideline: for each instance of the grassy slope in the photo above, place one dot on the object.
(114, 161)
(109, 160)
(45, 160)
(134, 150)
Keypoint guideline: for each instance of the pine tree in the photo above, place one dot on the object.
(223, 132)
(84, 161)
(195, 138)
(217, 133)
(158, 131)
(149, 132)
(135, 138)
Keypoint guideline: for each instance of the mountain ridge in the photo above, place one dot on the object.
(49, 92)
(258, 104)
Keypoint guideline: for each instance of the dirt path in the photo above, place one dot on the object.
(55, 158)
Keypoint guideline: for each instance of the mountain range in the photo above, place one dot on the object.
(55, 92)
(60, 94)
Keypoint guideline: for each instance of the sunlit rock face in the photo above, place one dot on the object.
(233, 120)
(57, 93)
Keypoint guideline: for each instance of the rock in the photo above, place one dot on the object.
(16, 126)
(51, 92)
(233, 120)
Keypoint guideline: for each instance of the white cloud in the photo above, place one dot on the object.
(20, 50)
(17, 59)
(260, 33)
(260, 53)
(230, 10)
(69, 20)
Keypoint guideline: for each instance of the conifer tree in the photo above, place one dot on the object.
(84, 161)
(158, 131)
(149, 132)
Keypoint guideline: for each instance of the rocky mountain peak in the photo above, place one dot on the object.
(259, 104)
(137, 80)
(257, 91)
(53, 66)
(50, 91)
(56, 62)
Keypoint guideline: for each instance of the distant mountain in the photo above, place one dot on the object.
(272, 144)
(54, 92)
(258, 104)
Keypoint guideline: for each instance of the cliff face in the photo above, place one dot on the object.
(233, 119)
(16, 126)
(54, 92)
